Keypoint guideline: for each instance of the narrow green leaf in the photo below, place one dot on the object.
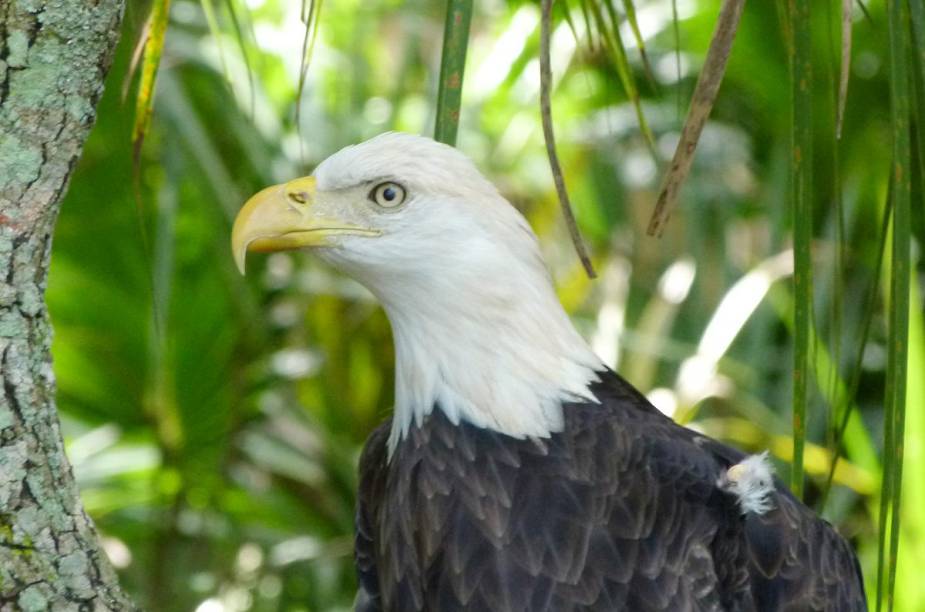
(137, 52)
(801, 177)
(886, 485)
(910, 584)
(864, 10)
(613, 42)
(900, 278)
(209, 12)
(837, 298)
(452, 68)
(637, 34)
(589, 24)
(917, 91)
(917, 13)
(310, 14)
(567, 15)
(144, 102)
(858, 443)
(160, 397)
(845, 406)
(242, 46)
(156, 28)
(845, 73)
(204, 151)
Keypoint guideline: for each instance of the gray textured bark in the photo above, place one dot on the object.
(54, 55)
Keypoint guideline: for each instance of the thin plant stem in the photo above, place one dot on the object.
(801, 177)
(549, 135)
(900, 273)
(452, 68)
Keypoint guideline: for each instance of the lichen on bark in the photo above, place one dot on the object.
(54, 56)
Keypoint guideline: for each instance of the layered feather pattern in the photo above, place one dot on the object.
(619, 511)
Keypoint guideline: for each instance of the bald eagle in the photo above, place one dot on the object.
(518, 472)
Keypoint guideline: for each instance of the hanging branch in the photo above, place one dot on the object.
(452, 66)
(701, 104)
(546, 112)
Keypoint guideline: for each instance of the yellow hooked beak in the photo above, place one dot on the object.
(284, 217)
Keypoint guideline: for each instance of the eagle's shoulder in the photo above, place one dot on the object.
(375, 449)
(787, 556)
(652, 440)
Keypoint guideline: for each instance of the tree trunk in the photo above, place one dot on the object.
(54, 55)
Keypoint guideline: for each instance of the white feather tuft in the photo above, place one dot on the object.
(752, 482)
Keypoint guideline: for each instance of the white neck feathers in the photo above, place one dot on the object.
(504, 370)
(495, 350)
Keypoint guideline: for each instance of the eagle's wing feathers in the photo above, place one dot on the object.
(372, 471)
(621, 511)
(797, 561)
(558, 525)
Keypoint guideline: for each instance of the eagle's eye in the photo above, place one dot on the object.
(387, 195)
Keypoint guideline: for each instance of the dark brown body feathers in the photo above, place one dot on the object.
(620, 511)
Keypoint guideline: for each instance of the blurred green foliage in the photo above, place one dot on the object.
(214, 421)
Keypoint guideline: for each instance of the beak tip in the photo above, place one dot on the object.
(240, 256)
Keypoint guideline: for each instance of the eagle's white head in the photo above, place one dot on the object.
(479, 331)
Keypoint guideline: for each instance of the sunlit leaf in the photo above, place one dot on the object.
(153, 48)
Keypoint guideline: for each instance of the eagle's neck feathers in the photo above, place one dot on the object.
(500, 370)
(496, 351)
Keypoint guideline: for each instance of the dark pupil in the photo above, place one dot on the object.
(389, 194)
